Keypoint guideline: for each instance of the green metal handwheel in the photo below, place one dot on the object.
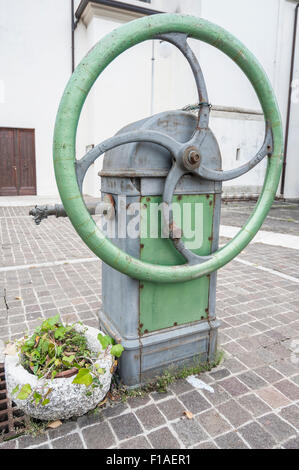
(188, 157)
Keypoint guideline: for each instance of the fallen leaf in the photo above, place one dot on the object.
(18, 298)
(103, 402)
(10, 349)
(55, 424)
(113, 367)
(110, 396)
(188, 414)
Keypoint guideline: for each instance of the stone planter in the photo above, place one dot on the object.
(66, 399)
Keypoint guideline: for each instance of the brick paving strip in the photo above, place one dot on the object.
(255, 399)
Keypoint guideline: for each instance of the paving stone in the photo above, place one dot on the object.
(138, 401)
(171, 408)
(220, 374)
(285, 368)
(259, 325)
(218, 396)
(30, 440)
(126, 426)
(289, 389)
(277, 427)
(296, 379)
(157, 396)
(89, 419)
(251, 359)
(213, 423)
(65, 428)
(235, 414)
(234, 386)
(292, 444)
(98, 436)
(70, 441)
(291, 414)
(206, 445)
(273, 397)
(252, 380)
(163, 439)
(189, 431)
(269, 374)
(9, 444)
(43, 446)
(181, 386)
(194, 402)
(231, 440)
(234, 348)
(114, 410)
(254, 405)
(150, 417)
(139, 442)
(234, 365)
(256, 436)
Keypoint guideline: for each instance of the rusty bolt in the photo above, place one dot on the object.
(193, 157)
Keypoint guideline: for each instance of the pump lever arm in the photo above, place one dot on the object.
(40, 213)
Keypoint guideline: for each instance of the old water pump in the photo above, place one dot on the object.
(158, 292)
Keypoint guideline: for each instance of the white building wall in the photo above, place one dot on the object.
(35, 58)
(36, 65)
(263, 26)
(292, 161)
(121, 95)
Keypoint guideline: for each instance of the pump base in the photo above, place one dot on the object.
(150, 355)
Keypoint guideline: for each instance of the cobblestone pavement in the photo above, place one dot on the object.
(283, 217)
(255, 399)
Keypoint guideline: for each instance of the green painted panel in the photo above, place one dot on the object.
(165, 305)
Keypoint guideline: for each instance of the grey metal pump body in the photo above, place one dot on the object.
(135, 170)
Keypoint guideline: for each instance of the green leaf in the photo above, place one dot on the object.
(45, 402)
(68, 360)
(83, 377)
(45, 346)
(35, 354)
(15, 390)
(117, 350)
(105, 340)
(54, 320)
(37, 397)
(100, 370)
(29, 344)
(51, 349)
(50, 323)
(25, 392)
(35, 369)
(60, 332)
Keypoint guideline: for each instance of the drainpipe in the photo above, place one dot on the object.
(289, 103)
(73, 35)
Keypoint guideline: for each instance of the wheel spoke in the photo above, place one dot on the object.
(155, 137)
(215, 175)
(180, 41)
